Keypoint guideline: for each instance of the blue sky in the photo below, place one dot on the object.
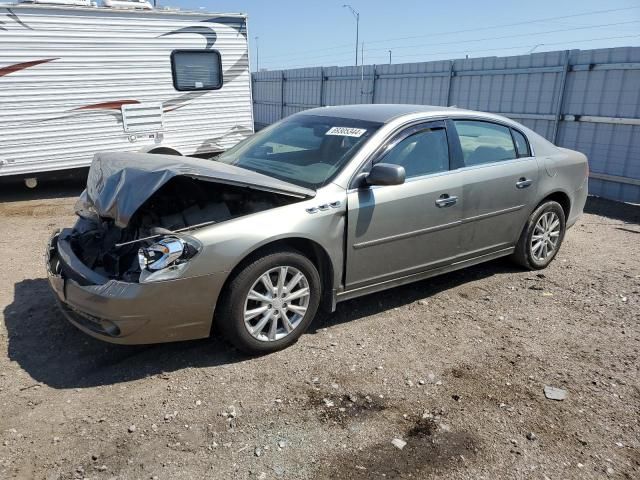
(313, 32)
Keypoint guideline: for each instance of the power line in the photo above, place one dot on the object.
(524, 46)
(595, 12)
(586, 27)
(512, 35)
(518, 47)
(513, 24)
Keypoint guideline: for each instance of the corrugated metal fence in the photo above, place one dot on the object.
(586, 100)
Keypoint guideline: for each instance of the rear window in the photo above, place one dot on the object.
(196, 70)
(522, 146)
(484, 142)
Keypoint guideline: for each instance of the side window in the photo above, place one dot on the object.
(424, 152)
(196, 70)
(484, 142)
(522, 146)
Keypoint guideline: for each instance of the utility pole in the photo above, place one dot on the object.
(357, 17)
(257, 54)
(389, 57)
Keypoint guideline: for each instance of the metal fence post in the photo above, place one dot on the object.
(322, 86)
(373, 84)
(450, 80)
(253, 88)
(282, 79)
(560, 100)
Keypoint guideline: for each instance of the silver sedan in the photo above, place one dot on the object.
(323, 206)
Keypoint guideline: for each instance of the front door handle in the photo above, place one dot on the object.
(523, 182)
(446, 200)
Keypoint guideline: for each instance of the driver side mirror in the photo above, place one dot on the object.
(385, 174)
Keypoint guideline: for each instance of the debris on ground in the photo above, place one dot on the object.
(553, 393)
(398, 443)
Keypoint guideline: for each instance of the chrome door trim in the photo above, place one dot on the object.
(414, 277)
(493, 164)
(402, 236)
(493, 214)
(444, 226)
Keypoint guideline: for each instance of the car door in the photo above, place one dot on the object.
(500, 180)
(398, 230)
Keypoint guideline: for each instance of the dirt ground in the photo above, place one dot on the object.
(454, 366)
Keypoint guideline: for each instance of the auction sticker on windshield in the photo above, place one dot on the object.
(346, 131)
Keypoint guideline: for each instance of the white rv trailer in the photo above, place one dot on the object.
(77, 78)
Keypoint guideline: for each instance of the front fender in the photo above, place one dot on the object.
(227, 244)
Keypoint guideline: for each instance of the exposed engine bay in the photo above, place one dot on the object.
(152, 234)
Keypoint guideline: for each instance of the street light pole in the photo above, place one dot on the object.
(389, 57)
(357, 16)
(257, 54)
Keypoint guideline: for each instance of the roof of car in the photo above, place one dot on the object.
(378, 112)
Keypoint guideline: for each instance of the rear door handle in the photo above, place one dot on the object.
(524, 182)
(446, 201)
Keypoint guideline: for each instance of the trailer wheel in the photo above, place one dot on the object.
(165, 151)
(31, 182)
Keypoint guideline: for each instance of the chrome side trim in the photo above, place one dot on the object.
(396, 282)
(493, 214)
(493, 164)
(444, 226)
(401, 236)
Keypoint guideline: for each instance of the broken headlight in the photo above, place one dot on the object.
(165, 253)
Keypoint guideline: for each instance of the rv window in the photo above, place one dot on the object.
(196, 69)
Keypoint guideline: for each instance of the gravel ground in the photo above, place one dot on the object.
(455, 366)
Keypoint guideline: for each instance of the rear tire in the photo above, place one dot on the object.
(541, 237)
(260, 313)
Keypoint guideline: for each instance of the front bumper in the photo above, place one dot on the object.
(130, 313)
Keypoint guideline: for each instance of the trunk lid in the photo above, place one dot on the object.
(119, 183)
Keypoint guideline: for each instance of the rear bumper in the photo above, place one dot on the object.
(130, 313)
(577, 203)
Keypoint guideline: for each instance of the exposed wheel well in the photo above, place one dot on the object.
(563, 199)
(310, 249)
(165, 151)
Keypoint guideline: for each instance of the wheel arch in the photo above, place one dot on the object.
(562, 198)
(311, 249)
(559, 196)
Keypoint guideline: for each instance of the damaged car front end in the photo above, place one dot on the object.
(124, 273)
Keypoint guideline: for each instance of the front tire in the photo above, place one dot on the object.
(541, 237)
(270, 302)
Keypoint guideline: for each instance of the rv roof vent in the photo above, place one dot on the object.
(76, 3)
(137, 4)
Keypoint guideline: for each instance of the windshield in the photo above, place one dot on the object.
(306, 150)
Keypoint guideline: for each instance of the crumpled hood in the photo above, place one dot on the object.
(119, 183)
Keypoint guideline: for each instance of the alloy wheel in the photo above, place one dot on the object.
(276, 303)
(546, 235)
